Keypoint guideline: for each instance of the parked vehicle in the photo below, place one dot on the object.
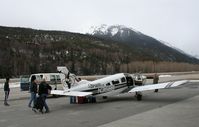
(24, 82)
(53, 79)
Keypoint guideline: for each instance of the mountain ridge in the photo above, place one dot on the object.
(27, 51)
(139, 40)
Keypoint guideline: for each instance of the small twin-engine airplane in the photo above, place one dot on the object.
(108, 86)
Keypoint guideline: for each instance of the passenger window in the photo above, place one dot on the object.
(108, 84)
(115, 82)
(123, 79)
(52, 78)
(58, 79)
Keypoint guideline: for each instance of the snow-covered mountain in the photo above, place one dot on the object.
(141, 43)
(196, 56)
(180, 50)
(113, 30)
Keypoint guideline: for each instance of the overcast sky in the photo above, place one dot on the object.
(173, 21)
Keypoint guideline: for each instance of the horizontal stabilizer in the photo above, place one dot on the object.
(70, 93)
(158, 86)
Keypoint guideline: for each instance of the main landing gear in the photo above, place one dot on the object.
(104, 97)
(138, 96)
(156, 90)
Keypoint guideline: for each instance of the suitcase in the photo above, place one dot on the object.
(39, 104)
(80, 100)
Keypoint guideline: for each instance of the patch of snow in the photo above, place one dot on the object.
(91, 30)
(128, 33)
(196, 56)
(12, 85)
(114, 31)
(171, 46)
(103, 28)
(193, 81)
(66, 52)
(121, 31)
(138, 32)
(164, 76)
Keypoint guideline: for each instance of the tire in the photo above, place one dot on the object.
(139, 97)
(104, 97)
(156, 90)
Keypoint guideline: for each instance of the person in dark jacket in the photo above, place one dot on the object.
(7, 91)
(44, 89)
(33, 91)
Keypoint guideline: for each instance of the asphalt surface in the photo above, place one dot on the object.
(164, 108)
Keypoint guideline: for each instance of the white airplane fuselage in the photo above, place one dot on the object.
(107, 86)
(110, 85)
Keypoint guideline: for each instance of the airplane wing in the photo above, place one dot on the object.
(70, 93)
(158, 86)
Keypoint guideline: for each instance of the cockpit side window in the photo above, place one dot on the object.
(130, 81)
(52, 78)
(123, 80)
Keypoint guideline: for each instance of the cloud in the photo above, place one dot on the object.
(174, 21)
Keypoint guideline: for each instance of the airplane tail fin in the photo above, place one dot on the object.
(63, 70)
(69, 80)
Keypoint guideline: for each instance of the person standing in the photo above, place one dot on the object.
(7, 91)
(44, 89)
(33, 91)
(155, 81)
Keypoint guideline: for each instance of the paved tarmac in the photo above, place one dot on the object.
(184, 113)
(168, 108)
(180, 114)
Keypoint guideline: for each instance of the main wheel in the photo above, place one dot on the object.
(156, 90)
(104, 97)
(139, 97)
